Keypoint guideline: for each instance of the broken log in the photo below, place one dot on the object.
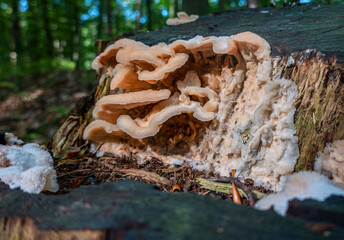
(306, 44)
(306, 48)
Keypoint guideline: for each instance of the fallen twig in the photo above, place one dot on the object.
(148, 176)
(221, 185)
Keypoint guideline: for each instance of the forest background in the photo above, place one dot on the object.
(47, 46)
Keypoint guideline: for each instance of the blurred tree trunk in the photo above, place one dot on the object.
(33, 30)
(171, 9)
(77, 35)
(100, 19)
(48, 35)
(16, 33)
(176, 7)
(138, 8)
(201, 8)
(149, 14)
(118, 20)
(221, 5)
(109, 18)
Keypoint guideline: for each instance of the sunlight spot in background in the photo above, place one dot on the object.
(13, 56)
(305, 1)
(143, 19)
(157, 1)
(84, 17)
(23, 5)
(56, 43)
(164, 13)
(93, 12)
(242, 3)
(88, 2)
(75, 56)
(233, 4)
(130, 14)
(123, 3)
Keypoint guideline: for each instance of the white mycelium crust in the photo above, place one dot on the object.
(331, 160)
(300, 186)
(235, 115)
(28, 167)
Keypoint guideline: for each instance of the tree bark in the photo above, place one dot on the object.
(138, 8)
(176, 7)
(77, 35)
(149, 14)
(34, 29)
(48, 35)
(100, 19)
(16, 32)
(134, 210)
(201, 8)
(109, 18)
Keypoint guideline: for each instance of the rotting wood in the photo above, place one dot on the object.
(25, 229)
(319, 116)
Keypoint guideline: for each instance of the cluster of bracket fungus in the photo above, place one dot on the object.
(209, 101)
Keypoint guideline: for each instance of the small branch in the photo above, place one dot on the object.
(221, 185)
(148, 176)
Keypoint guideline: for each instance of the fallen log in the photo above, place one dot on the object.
(313, 61)
(306, 44)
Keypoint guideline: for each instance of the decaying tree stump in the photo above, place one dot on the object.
(307, 47)
(306, 43)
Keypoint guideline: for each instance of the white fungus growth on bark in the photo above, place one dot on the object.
(28, 167)
(331, 161)
(300, 186)
(223, 110)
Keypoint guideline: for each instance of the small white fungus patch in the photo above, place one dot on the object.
(300, 186)
(28, 167)
(331, 160)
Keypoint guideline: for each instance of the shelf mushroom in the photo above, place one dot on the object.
(207, 101)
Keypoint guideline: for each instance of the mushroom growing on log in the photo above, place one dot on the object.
(318, 77)
(225, 112)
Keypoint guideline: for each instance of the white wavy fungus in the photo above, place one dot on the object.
(209, 101)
